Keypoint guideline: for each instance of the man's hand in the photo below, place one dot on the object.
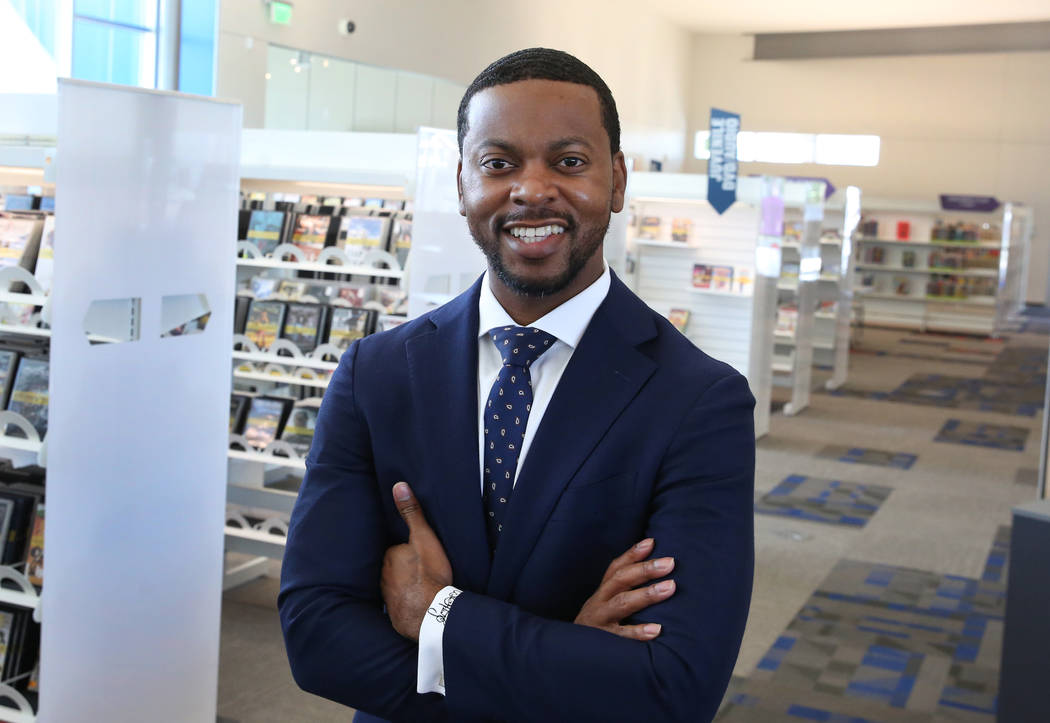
(413, 573)
(617, 598)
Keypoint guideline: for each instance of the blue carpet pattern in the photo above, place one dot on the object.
(884, 644)
(824, 500)
(861, 455)
(995, 436)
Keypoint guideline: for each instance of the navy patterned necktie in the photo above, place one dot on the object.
(506, 413)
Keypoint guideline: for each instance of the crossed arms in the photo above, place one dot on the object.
(500, 660)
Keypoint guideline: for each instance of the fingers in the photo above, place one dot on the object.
(644, 632)
(636, 553)
(627, 603)
(637, 574)
(407, 504)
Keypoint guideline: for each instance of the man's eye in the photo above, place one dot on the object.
(571, 162)
(496, 164)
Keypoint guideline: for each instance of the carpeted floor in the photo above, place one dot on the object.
(881, 545)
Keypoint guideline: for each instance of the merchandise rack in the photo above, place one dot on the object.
(829, 330)
(279, 163)
(896, 293)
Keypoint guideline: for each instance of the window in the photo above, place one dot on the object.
(115, 41)
(819, 148)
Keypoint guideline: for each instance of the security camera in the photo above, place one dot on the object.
(346, 26)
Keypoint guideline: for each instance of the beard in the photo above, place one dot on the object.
(583, 243)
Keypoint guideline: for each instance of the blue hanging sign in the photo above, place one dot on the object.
(960, 202)
(722, 165)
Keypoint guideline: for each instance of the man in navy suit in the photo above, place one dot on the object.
(545, 421)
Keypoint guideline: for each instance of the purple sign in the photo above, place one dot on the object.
(961, 202)
(828, 187)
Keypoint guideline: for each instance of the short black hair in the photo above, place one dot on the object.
(543, 64)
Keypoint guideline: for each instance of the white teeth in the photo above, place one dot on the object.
(529, 233)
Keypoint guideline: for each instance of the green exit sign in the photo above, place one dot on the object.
(280, 12)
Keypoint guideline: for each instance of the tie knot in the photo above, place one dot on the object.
(520, 346)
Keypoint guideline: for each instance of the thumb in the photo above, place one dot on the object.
(407, 504)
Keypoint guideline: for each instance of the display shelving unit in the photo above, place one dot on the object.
(282, 164)
(915, 278)
(737, 327)
(827, 236)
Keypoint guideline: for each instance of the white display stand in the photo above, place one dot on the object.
(137, 463)
(739, 327)
(1012, 297)
(898, 295)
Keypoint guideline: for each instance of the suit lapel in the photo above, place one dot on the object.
(605, 373)
(443, 365)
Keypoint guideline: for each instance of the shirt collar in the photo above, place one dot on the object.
(566, 322)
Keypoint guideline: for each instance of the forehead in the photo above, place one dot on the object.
(535, 112)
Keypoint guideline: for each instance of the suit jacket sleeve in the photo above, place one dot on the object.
(340, 642)
(503, 662)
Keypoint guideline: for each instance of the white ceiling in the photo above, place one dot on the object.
(781, 16)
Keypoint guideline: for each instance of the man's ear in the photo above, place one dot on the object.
(459, 187)
(619, 189)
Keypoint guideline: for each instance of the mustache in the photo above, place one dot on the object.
(535, 214)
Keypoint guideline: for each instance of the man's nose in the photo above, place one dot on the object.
(535, 186)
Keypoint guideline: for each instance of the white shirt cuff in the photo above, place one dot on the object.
(430, 670)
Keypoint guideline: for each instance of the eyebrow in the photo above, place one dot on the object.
(553, 146)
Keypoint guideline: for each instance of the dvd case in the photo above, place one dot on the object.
(401, 238)
(360, 234)
(299, 432)
(311, 234)
(264, 323)
(29, 395)
(304, 325)
(266, 418)
(349, 324)
(8, 365)
(266, 229)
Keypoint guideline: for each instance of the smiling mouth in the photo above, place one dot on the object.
(533, 235)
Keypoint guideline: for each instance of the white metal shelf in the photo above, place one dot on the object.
(993, 245)
(255, 542)
(270, 459)
(714, 292)
(972, 301)
(980, 273)
(296, 361)
(343, 269)
(784, 338)
(281, 379)
(653, 243)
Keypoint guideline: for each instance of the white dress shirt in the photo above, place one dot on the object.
(566, 323)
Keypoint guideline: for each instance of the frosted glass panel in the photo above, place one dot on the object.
(331, 95)
(136, 488)
(414, 95)
(287, 86)
(446, 103)
(374, 97)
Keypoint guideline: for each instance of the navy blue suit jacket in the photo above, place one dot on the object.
(645, 436)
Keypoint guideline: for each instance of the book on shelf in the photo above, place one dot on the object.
(649, 228)
(722, 278)
(353, 295)
(266, 229)
(702, 275)
(241, 304)
(8, 365)
(264, 287)
(311, 234)
(360, 234)
(19, 642)
(902, 285)
(264, 323)
(401, 239)
(29, 395)
(239, 403)
(908, 259)
(45, 260)
(789, 273)
(793, 232)
(744, 280)
(7, 509)
(680, 229)
(304, 325)
(291, 290)
(23, 510)
(299, 431)
(348, 324)
(787, 319)
(35, 553)
(265, 420)
(679, 319)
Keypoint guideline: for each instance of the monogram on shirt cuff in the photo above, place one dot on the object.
(442, 604)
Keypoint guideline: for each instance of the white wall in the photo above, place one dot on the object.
(973, 123)
(644, 59)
